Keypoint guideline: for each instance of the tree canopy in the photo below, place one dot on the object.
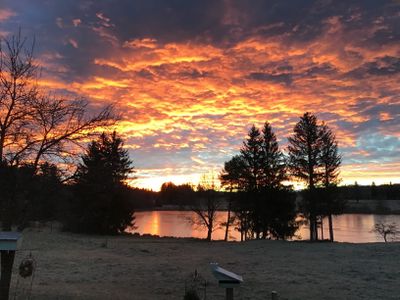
(101, 203)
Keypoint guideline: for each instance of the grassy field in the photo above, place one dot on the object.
(73, 266)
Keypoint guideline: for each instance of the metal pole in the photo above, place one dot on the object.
(274, 295)
(229, 293)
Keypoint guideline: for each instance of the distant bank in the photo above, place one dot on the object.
(384, 207)
(391, 207)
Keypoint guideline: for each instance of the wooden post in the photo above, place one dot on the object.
(7, 261)
(274, 295)
(229, 293)
(8, 246)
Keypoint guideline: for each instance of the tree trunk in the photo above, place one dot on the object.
(330, 227)
(209, 234)
(313, 228)
(7, 261)
(209, 230)
(228, 221)
(322, 228)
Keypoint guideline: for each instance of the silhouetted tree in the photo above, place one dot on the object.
(386, 229)
(273, 161)
(304, 163)
(264, 206)
(251, 201)
(42, 193)
(102, 205)
(278, 212)
(331, 160)
(252, 155)
(231, 179)
(207, 205)
(280, 215)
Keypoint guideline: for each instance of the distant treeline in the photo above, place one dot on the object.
(370, 192)
(185, 194)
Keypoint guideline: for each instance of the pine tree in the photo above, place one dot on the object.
(278, 205)
(231, 179)
(273, 163)
(331, 160)
(102, 205)
(251, 153)
(304, 163)
(265, 207)
(329, 156)
(231, 176)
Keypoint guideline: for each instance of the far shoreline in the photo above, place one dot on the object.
(375, 207)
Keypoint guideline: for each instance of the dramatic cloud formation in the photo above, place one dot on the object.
(191, 77)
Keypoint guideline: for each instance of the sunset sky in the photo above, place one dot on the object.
(191, 77)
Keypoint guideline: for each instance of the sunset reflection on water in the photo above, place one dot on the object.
(353, 228)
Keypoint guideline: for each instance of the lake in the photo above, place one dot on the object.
(352, 228)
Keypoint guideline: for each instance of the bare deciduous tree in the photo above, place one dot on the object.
(61, 124)
(34, 125)
(17, 90)
(386, 229)
(207, 206)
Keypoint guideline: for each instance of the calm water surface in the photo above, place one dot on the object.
(353, 228)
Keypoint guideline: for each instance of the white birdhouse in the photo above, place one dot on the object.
(9, 240)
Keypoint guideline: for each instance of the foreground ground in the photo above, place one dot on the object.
(73, 266)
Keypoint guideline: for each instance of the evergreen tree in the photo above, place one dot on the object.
(231, 176)
(264, 206)
(273, 162)
(280, 214)
(251, 154)
(251, 202)
(304, 162)
(231, 179)
(278, 205)
(46, 192)
(314, 158)
(331, 160)
(102, 204)
(329, 156)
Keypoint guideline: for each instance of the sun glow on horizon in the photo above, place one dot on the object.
(154, 183)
